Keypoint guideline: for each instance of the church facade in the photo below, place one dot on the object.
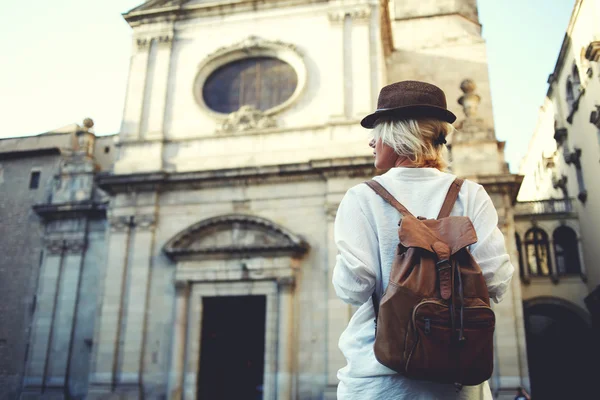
(205, 248)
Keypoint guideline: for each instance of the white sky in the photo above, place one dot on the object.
(64, 60)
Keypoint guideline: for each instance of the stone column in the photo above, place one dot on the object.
(134, 100)
(156, 92)
(338, 312)
(65, 313)
(44, 315)
(511, 368)
(137, 283)
(106, 340)
(361, 61)
(552, 261)
(285, 365)
(182, 294)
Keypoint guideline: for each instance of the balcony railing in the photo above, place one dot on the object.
(538, 207)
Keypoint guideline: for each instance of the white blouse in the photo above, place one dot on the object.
(366, 234)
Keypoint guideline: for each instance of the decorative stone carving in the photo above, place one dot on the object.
(54, 245)
(574, 158)
(235, 235)
(144, 222)
(560, 183)
(592, 52)
(470, 100)
(331, 211)
(75, 246)
(252, 42)
(360, 12)
(286, 282)
(245, 119)
(119, 223)
(595, 116)
(560, 135)
(86, 138)
(143, 43)
(472, 128)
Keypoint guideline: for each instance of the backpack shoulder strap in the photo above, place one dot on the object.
(451, 197)
(380, 190)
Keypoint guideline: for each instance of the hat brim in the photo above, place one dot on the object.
(413, 112)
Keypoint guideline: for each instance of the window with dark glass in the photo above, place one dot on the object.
(261, 82)
(570, 95)
(537, 251)
(520, 251)
(576, 79)
(34, 180)
(566, 251)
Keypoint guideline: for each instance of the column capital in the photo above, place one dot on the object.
(144, 221)
(54, 245)
(119, 223)
(359, 12)
(331, 211)
(75, 245)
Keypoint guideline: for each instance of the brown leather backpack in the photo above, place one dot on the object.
(434, 321)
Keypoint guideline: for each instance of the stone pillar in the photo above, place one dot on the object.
(552, 260)
(44, 315)
(285, 365)
(338, 312)
(362, 63)
(106, 340)
(134, 100)
(511, 368)
(65, 313)
(156, 89)
(182, 294)
(136, 287)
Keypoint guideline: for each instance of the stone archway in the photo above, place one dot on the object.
(221, 260)
(560, 349)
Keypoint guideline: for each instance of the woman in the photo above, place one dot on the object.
(409, 130)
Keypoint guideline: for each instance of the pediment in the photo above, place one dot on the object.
(158, 4)
(234, 236)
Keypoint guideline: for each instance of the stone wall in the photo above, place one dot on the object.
(21, 234)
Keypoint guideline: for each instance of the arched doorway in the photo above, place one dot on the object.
(560, 349)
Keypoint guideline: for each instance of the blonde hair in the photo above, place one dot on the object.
(415, 139)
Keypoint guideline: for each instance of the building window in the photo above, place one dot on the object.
(576, 80)
(566, 251)
(537, 252)
(261, 82)
(570, 95)
(34, 180)
(520, 251)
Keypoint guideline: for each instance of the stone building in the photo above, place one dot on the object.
(558, 216)
(51, 214)
(206, 244)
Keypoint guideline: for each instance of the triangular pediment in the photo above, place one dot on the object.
(157, 4)
(233, 236)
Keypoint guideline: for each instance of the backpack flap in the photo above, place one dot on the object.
(456, 232)
(443, 237)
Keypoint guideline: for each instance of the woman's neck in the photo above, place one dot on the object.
(403, 161)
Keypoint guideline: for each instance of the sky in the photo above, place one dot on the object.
(65, 60)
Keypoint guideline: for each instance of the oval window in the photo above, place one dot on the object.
(261, 82)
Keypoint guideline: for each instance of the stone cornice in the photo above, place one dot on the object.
(12, 154)
(71, 210)
(170, 11)
(316, 169)
(506, 184)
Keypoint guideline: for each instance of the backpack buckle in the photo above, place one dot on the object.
(442, 262)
